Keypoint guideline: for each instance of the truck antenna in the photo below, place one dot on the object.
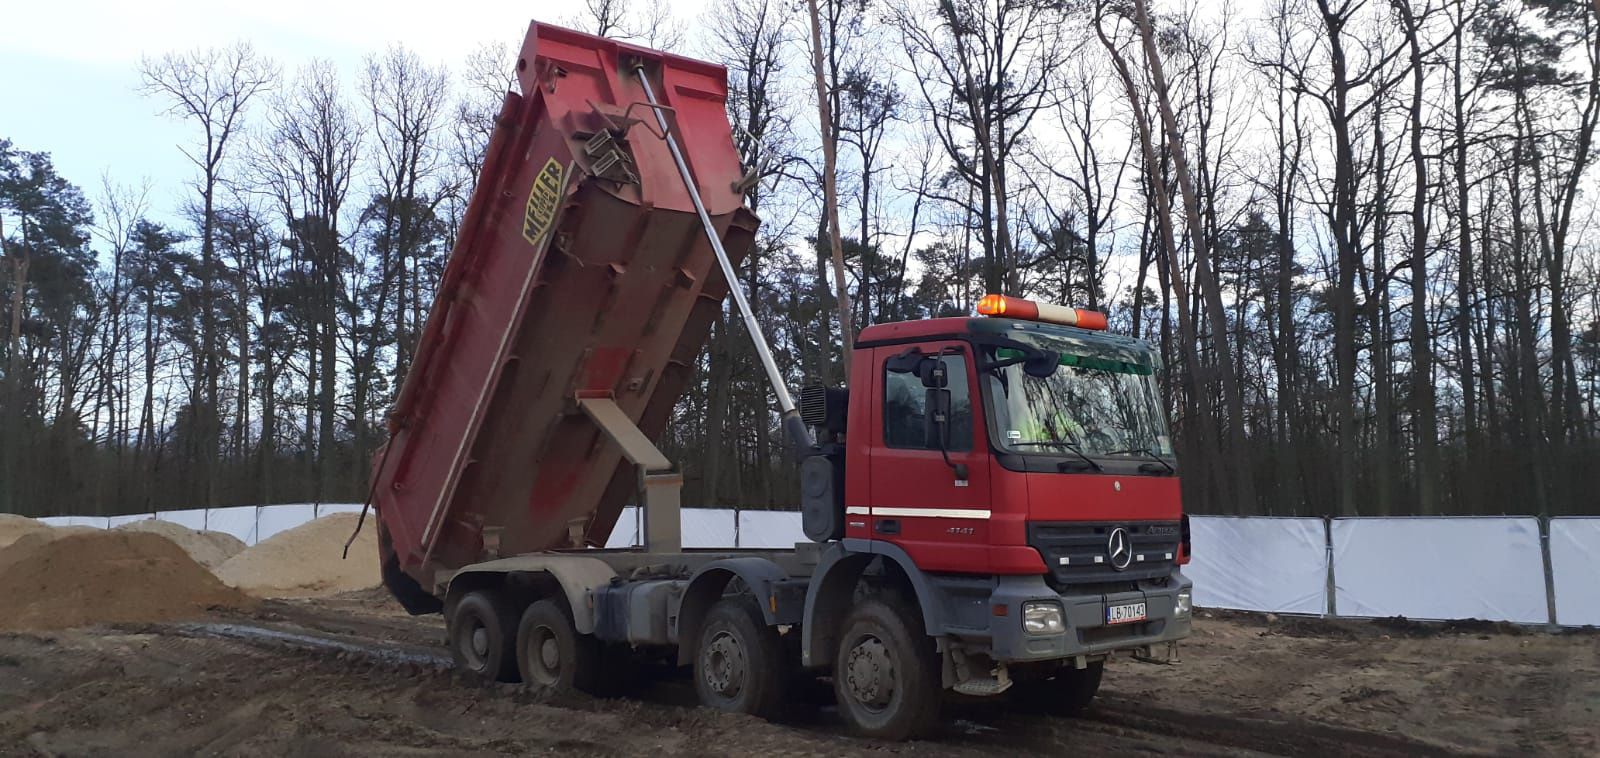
(793, 426)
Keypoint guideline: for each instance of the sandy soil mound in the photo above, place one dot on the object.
(49, 534)
(12, 527)
(304, 561)
(104, 577)
(210, 549)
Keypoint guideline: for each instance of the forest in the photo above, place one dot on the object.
(1362, 235)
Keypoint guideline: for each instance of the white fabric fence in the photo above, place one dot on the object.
(1440, 568)
(1260, 564)
(250, 523)
(1421, 568)
(1575, 568)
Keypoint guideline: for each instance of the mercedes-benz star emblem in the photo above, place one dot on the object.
(1117, 547)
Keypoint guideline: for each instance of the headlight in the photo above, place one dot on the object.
(1185, 602)
(1042, 618)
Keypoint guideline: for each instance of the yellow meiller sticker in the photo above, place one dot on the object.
(542, 202)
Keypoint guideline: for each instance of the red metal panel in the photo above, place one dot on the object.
(913, 330)
(615, 301)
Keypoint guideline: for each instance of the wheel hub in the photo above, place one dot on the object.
(480, 641)
(725, 665)
(544, 656)
(869, 673)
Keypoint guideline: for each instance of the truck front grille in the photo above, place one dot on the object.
(1077, 553)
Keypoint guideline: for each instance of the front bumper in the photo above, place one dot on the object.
(1086, 631)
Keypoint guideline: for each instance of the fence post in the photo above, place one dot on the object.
(1327, 542)
(1549, 568)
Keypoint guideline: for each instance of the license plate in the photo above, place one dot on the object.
(1126, 613)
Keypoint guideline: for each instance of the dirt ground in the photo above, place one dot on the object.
(352, 675)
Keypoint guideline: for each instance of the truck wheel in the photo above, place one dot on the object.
(739, 664)
(550, 652)
(1068, 693)
(482, 630)
(886, 675)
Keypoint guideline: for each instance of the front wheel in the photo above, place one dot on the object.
(739, 664)
(886, 674)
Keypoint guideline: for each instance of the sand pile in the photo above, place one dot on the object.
(209, 549)
(12, 527)
(304, 561)
(49, 533)
(50, 581)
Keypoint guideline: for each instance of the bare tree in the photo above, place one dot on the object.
(406, 99)
(830, 180)
(1202, 433)
(211, 88)
(1210, 290)
(1422, 398)
(315, 140)
(652, 26)
(487, 74)
(984, 72)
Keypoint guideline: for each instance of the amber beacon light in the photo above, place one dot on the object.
(1028, 310)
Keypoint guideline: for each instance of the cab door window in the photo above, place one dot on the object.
(905, 408)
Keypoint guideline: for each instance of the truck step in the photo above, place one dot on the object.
(984, 687)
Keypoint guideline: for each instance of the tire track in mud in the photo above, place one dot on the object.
(1113, 723)
(271, 636)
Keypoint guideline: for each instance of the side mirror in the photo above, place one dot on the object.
(1042, 364)
(933, 374)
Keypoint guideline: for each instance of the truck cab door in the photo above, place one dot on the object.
(917, 500)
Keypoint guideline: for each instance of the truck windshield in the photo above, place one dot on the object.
(1098, 401)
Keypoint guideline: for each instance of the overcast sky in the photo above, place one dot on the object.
(69, 77)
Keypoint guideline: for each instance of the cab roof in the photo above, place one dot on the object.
(962, 326)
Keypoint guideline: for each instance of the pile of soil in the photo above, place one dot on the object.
(209, 549)
(55, 581)
(49, 533)
(13, 527)
(305, 561)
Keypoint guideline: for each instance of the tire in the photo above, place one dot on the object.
(551, 655)
(739, 664)
(886, 673)
(482, 634)
(1068, 693)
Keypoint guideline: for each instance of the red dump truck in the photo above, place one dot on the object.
(992, 503)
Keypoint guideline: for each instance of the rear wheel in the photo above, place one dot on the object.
(550, 652)
(886, 674)
(482, 632)
(1068, 693)
(739, 664)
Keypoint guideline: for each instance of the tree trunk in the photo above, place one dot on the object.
(1466, 292)
(1424, 412)
(1210, 290)
(20, 261)
(830, 199)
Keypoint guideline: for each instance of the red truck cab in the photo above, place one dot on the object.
(1051, 476)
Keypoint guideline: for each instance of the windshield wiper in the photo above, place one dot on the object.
(1078, 451)
(1148, 453)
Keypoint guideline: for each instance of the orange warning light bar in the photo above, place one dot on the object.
(1028, 310)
